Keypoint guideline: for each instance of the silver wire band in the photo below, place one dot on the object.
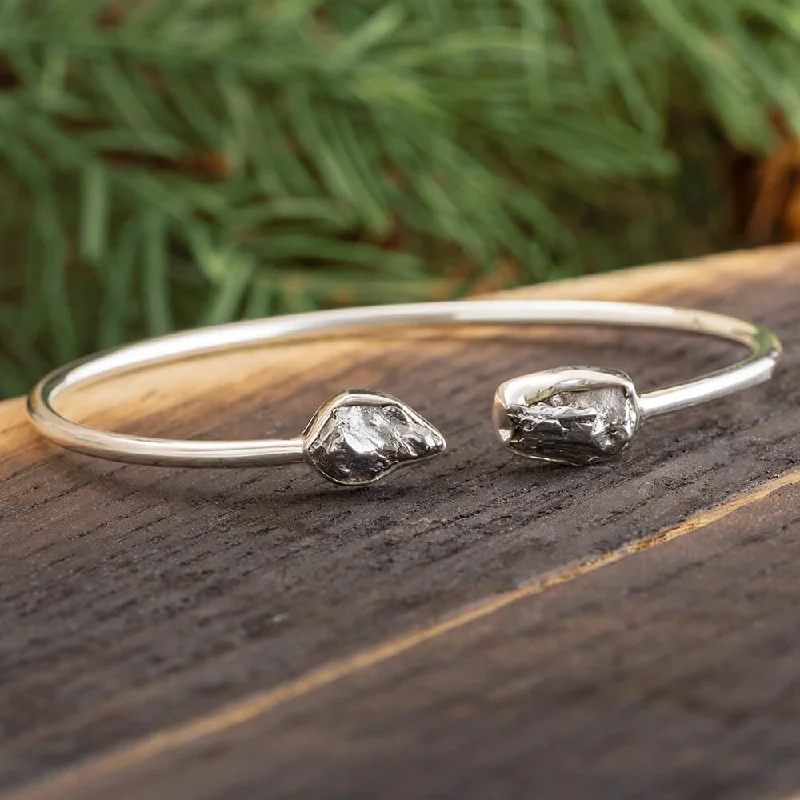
(764, 346)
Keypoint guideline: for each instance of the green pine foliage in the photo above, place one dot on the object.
(169, 163)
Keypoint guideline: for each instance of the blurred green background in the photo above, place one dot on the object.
(171, 163)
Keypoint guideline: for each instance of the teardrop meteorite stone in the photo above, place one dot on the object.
(358, 437)
(577, 415)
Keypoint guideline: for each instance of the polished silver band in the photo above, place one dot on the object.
(574, 415)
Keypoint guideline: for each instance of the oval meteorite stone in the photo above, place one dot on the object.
(576, 415)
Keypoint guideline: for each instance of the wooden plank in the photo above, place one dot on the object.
(135, 599)
(668, 670)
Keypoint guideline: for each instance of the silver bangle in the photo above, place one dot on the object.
(573, 415)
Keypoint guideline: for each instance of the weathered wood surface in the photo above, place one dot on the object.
(477, 627)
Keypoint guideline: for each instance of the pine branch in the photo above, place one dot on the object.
(168, 164)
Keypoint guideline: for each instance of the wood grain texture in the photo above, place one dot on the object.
(137, 600)
(647, 676)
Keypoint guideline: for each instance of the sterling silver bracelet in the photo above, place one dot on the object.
(572, 415)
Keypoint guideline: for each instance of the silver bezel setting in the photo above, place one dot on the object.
(571, 415)
(359, 437)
